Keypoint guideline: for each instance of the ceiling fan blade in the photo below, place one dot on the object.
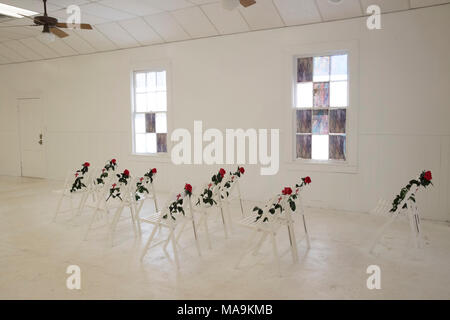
(85, 26)
(58, 32)
(25, 25)
(247, 3)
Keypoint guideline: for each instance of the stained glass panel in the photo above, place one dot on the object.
(305, 69)
(161, 142)
(320, 122)
(304, 121)
(321, 69)
(337, 147)
(150, 122)
(321, 94)
(303, 146)
(337, 120)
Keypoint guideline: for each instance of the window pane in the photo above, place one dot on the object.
(304, 121)
(151, 81)
(320, 122)
(337, 120)
(140, 143)
(141, 102)
(321, 94)
(320, 147)
(161, 122)
(321, 69)
(303, 146)
(140, 82)
(304, 95)
(162, 142)
(304, 69)
(151, 142)
(161, 101)
(152, 101)
(150, 122)
(161, 80)
(139, 123)
(338, 94)
(339, 67)
(337, 147)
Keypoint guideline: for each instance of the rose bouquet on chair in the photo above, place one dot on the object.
(206, 197)
(423, 180)
(141, 184)
(114, 191)
(110, 165)
(291, 197)
(177, 206)
(79, 175)
(227, 185)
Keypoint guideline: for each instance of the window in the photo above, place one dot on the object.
(321, 101)
(150, 112)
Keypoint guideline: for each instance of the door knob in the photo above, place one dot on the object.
(40, 139)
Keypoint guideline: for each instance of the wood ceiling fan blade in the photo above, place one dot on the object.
(58, 32)
(85, 26)
(247, 3)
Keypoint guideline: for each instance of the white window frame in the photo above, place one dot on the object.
(350, 165)
(152, 66)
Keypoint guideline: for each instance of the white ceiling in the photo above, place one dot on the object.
(133, 23)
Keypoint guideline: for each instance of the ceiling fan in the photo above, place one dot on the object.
(232, 4)
(51, 24)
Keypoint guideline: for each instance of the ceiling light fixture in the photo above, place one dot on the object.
(15, 11)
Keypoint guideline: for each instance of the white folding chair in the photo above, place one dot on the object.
(165, 219)
(151, 195)
(411, 213)
(232, 191)
(106, 204)
(204, 209)
(65, 192)
(267, 225)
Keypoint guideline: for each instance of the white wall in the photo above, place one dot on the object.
(238, 81)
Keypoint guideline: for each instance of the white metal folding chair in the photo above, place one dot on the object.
(204, 209)
(151, 195)
(165, 219)
(411, 212)
(106, 204)
(66, 194)
(232, 191)
(265, 223)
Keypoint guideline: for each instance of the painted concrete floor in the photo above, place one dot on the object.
(35, 252)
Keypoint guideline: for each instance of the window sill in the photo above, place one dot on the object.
(156, 157)
(322, 166)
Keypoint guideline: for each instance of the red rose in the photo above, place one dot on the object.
(76, 174)
(114, 185)
(86, 164)
(178, 196)
(126, 173)
(209, 185)
(286, 191)
(222, 172)
(188, 187)
(113, 161)
(154, 170)
(427, 175)
(103, 170)
(307, 180)
(141, 179)
(241, 170)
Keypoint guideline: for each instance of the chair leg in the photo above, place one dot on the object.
(137, 219)
(83, 200)
(293, 242)
(91, 222)
(308, 244)
(58, 207)
(175, 251)
(197, 244)
(150, 239)
(224, 222)
(275, 252)
(381, 232)
(259, 244)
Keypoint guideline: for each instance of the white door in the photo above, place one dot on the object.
(32, 140)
